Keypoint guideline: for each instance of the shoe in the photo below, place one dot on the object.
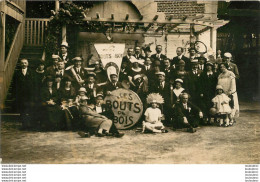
(100, 135)
(164, 131)
(109, 134)
(83, 134)
(191, 130)
(119, 135)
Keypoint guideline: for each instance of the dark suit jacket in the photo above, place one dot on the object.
(64, 95)
(193, 83)
(90, 92)
(67, 59)
(110, 87)
(208, 85)
(83, 73)
(154, 58)
(175, 61)
(181, 112)
(51, 71)
(139, 56)
(233, 67)
(129, 63)
(24, 85)
(165, 92)
(46, 95)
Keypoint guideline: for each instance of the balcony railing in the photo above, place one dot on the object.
(34, 31)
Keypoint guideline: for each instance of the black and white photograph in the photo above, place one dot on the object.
(130, 82)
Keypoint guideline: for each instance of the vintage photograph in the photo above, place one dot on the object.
(129, 82)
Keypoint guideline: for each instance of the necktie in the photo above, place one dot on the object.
(23, 71)
(161, 85)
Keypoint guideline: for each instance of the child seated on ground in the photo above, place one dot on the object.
(153, 117)
(223, 109)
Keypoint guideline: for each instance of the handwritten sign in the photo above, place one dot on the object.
(126, 106)
(111, 53)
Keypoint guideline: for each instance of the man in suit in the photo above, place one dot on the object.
(186, 114)
(124, 71)
(193, 81)
(64, 55)
(91, 87)
(163, 88)
(24, 82)
(147, 52)
(168, 70)
(138, 53)
(113, 84)
(180, 56)
(126, 58)
(158, 56)
(231, 66)
(201, 65)
(77, 73)
(51, 70)
(192, 52)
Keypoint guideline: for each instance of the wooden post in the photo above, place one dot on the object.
(2, 41)
(64, 32)
(213, 39)
(2, 58)
(57, 5)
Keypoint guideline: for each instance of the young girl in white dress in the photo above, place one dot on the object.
(153, 117)
(221, 103)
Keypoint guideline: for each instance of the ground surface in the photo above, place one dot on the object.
(210, 144)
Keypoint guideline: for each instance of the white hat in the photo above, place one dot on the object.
(179, 80)
(219, 87)
(54, 56)
(82, 89)
(77, 59)
(84, 98)
(228, 55)
(137, 76)
(134, 60)
(160, 73)
(65, 44)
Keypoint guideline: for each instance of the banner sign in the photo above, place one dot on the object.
(126, 106)
(111, 56)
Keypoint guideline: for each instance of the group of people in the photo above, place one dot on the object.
(66, 95)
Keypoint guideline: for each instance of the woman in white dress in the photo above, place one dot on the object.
(227, 80)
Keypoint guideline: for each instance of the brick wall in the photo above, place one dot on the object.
(180, 8)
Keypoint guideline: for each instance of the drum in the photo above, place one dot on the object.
(126, 106)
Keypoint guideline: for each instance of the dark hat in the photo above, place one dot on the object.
(91, 74)
(40, 62)
(190, 49)
(147, 49)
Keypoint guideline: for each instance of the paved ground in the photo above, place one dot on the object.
(210, 144)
